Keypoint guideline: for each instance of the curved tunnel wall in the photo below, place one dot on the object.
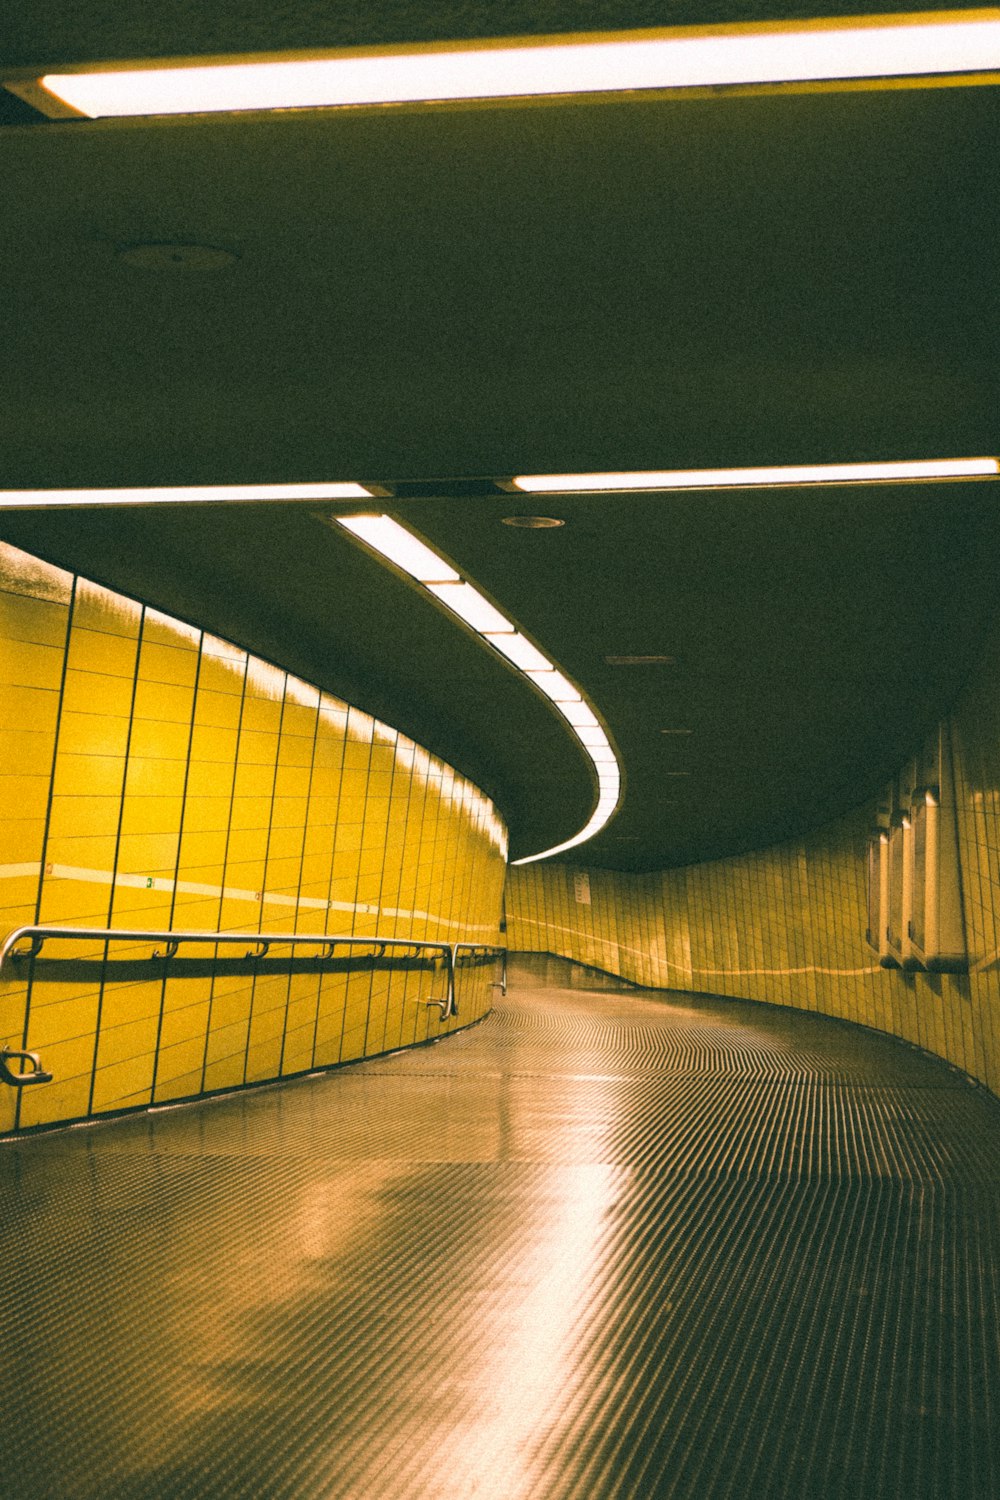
(154, 776)
(787, 924)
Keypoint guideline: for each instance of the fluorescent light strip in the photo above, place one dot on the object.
(195, 494)
(468, 603)
(555, 686)
(520, 651)
(696, 479)
(398, 545)
(817, 51)
(401, 547)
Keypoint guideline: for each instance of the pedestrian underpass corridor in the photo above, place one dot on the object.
(606, 1243)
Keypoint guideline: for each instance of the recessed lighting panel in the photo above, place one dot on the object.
(196, 494)
(580, 716)
(519, 650)
(695, 57)
(386, 536)
(470, 605)
(532, 523)
(640, 661)
(555, 686)
(785, 474)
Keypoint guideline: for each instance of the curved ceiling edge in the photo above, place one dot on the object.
(399, 546)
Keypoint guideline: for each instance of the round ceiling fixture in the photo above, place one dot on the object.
(175, 257)
(532, 523)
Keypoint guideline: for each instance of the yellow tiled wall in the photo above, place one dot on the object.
(155, 777)
(787, 924)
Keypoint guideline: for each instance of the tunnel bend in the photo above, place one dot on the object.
(609, 1242)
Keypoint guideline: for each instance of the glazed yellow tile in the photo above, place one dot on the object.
(179, 1073)
(124, 1085)
(328, 752)
(213, 744)
(225, 1070)
(23, 797)
(165, 664)
(203, 850)
(300, 719)
(263, 1059)
(292, 780)
(215, 710)
(26, 664)
(43, 621)
(21, 839)
(257, 748)
(221, 675)
(82, 815)
(165, 703)
(250, 812)
(155, 780)
(316, 867)
(67, 1096)
(100, 609)
(289, 813)
(95, 652)
(322, 815)
(206, 815)
(213, 779)
(151, 814)
(197, 909)
(159, 739)
(29, 709)
(185, 1010)
(261, 716)
(148, 853)
(88, 775)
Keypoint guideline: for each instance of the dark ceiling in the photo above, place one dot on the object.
(438, 293)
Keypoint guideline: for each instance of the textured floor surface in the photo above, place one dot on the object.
(602, 1245)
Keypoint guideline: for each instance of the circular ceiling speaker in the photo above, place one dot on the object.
(173, 257)
(532, 523)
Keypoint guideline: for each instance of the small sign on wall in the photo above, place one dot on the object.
(581, 888)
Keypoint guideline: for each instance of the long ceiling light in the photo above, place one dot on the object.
(926, 43)
(397, 545)
(192, 494)
(793, 474)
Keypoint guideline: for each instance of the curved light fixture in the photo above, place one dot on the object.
(398, 545)
(925, 44)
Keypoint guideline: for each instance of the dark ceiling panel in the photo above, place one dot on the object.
(478, 291)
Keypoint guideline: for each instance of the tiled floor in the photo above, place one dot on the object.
(604, 1244)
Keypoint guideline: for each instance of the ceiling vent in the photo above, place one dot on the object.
(640, 661)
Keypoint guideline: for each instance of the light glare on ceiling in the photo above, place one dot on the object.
(816, 51)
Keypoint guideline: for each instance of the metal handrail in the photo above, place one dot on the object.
(260, 944)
